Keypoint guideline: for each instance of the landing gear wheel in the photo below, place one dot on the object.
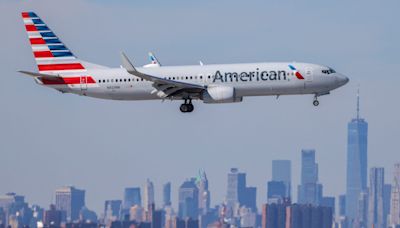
(315, 103)
(187, 107)
(184, 108)
(191, 107)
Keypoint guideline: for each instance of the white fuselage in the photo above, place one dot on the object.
(253, 79)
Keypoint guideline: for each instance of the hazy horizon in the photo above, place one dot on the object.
(49, 139)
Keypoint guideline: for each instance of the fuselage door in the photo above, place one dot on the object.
(309, 74)
(83, 83)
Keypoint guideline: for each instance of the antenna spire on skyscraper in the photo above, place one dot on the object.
(358, 102)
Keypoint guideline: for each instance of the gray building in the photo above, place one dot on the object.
(112, 208)
(132, 197)
(276, 192)
(342, 205)
(356, 182)
(204, 192)
(282, 171)
(188, 200)
(167, 194)
(375, 205)
(236, 187)
(148, 195)
(310, 191)
(394, 217)
(238, 194)
(387, 191)
(70, 200)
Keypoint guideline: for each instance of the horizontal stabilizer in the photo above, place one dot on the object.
(40, 75)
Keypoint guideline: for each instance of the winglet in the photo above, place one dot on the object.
(126, 63)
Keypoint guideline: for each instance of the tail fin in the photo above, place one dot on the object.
(153, 61)
(51, 55)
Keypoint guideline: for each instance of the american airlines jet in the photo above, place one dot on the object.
(60, 69)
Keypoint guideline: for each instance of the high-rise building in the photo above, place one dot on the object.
(112, 208)
(148, 195)
(236, 187)
(52, 217)
(136, 213)
(70, 200)
(157, 220)
(204, 193)
(296, 216)
(387, 191)
(328, 201)
(375, 205)
(394, 218)
(357, 137)
(132, 197)
(362, 210)
(281, 171)
(249, 198)
(276, 192)
(188, 199)
(310, 191)
(167, 194)
(342, 205)
(238, 194)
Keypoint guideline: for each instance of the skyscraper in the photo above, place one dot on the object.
(276, 191)
(342, 205)
(167, 194)
(281, 171)
(394, 217)
(236, 187)
(387, 191)
(375, 205)
(238, 194)
(309, 192)
(70, 200)
(148, 195)
(188, 199)
(204, 193)
(112, 208)
(357, 137)
(362, 207)
(132, 197)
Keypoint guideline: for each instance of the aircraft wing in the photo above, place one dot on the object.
(163, 87)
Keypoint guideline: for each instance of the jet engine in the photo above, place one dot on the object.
(220, 94)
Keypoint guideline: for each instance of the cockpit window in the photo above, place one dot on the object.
(328, 71)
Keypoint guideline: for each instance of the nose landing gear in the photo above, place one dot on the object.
(187, 106)
(315, 102)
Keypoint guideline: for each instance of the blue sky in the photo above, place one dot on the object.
(48, 139)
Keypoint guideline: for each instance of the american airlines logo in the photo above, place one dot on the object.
(256, 75)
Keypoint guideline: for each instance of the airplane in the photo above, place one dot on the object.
(60, 69)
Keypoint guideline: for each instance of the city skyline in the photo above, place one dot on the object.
(103, 147)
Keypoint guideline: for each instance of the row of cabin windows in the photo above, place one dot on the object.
(141, 79)
(171, 78)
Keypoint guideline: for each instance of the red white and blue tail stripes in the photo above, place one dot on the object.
(51, 55)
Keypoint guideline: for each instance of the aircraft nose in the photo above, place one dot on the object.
(341, 79)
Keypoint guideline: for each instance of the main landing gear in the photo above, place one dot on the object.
(187, 106)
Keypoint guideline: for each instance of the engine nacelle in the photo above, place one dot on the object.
(220, 94)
